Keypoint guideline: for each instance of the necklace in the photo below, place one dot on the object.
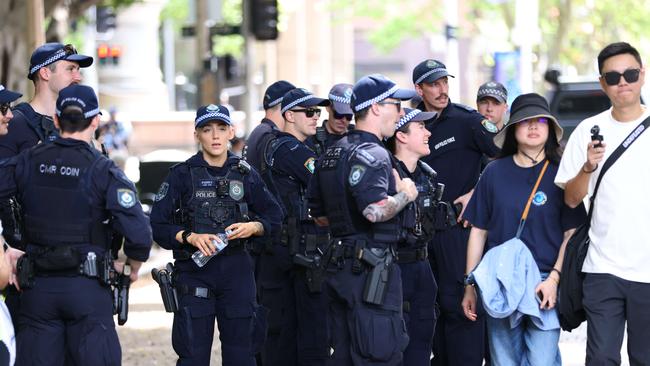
(532, 160)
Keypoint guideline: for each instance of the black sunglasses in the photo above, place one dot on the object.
(4, 107)
(348, 117)
(309, 112)
(396, 103)
(613, 77)
(69, 49)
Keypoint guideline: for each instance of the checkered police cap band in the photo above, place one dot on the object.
(275, 102)
(213, 115)
(490, 92)
(407, 118)
(56, 57)
(339, 99)
(376, 99)
(428, 73)
(296, 102)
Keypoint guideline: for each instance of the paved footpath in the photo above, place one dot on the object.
(146, 337)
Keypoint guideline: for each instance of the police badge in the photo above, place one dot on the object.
(356, 173)
(126, 198)
(236, 190)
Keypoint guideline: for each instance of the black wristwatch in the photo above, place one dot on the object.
(186, 234)
(468, 281)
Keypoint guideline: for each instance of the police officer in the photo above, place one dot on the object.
(291, 278)
(357, 191)
(68, 192)
(212, 193)
(53, 66)
(492, 102)
(460, 137)
(6, 98)
(336, 126)
(409, 144)
(273, 120)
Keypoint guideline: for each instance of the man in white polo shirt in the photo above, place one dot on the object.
(617, 267)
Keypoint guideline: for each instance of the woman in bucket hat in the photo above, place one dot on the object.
(529, 140)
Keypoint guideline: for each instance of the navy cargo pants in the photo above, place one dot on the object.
(362, 333)
(419, 309)
(67, 320)
(224, 288)
(297, 318)
(457, 340)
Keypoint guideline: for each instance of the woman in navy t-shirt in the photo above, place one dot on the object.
(529, 139)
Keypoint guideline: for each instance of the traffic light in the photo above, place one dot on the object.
(264, 19)
(105, 19)
(108, 53)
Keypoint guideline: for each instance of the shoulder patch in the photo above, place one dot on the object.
(489, 126)
(356, 173)
(310, 164)
(162, 191)
(236, 190)
(126, 198)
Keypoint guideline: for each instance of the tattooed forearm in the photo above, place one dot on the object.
(386, 209)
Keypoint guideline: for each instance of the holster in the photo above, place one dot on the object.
(379, 262)
(165, 281)
(446, 215)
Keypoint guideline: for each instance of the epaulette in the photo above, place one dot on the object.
(465, 107)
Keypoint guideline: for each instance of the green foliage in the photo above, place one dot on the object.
(398, 21)
(176, 11)
(231, 12)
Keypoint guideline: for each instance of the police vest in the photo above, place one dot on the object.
(346, 222)
(417, 219)
(42, 125)
(57, 203)
(292, 195)
(217, 202)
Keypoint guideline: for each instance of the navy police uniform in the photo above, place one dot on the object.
(206, 199)
(72, 198)
(460, 137)
(322, 140)
(363, 284)
(354, 173)
(417, 230)
(418, 284)
(290, 278)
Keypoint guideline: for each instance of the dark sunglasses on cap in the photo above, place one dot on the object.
(4, 107)
(69, 49)
(613, 77)
(347, 117)
(309, 112)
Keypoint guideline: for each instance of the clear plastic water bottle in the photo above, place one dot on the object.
(220, 244)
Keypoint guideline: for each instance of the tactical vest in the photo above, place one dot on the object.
(293, 197)
(217, 201)
(417, 218)
(345, 221)
(43, 125)
(57, 202)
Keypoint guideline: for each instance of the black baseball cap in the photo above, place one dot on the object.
(8, 96)
(429, 71)
(492, 89)
(274, 93)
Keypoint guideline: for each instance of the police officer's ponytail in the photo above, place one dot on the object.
(72, 120)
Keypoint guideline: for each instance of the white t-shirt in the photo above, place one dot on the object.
(7, 335)
(620, 239)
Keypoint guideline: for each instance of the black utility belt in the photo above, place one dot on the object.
(412, 255)
(64, 261)
(311, 242)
